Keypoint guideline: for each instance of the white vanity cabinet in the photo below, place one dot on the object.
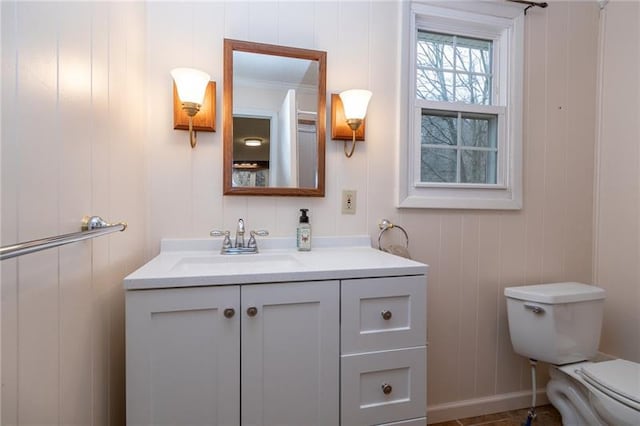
(335, 336)
(183, 356)
(196, 355)
(289, 365)
(383, 350)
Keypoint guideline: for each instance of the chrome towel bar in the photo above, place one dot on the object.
(92, 227)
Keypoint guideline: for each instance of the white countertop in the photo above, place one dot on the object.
(198, 262)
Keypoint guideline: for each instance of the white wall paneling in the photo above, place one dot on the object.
(73, 139)
(617, 207)
(87, 125)
(473, 255)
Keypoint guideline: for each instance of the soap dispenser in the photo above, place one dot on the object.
(303, 235)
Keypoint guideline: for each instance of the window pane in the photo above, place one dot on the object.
(439, 129)
(435, 50)
(434, 85)
(479, 131)
(478, 166)
(438, 165)
(446, 61)
(473, 55)
(473, 89)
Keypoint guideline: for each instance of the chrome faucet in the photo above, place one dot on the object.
(240, 234)
(239, 247)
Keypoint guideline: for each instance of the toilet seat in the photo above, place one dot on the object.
(618, 379)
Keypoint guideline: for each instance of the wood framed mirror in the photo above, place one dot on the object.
(274, 101)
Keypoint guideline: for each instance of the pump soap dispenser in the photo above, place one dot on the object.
(303, 235)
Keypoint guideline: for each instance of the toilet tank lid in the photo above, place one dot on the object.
(556, 293)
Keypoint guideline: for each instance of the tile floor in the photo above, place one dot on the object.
(546, 416)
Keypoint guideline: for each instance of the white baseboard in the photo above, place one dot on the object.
(486, 405)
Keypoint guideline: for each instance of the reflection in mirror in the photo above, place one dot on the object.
(274, 109)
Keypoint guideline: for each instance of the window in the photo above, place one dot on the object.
(464, 141)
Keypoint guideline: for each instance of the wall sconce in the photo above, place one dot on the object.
(194, 102)
(253, 141)
(348, 110)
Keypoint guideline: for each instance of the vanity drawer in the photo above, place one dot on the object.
(381, 387)
(383, 313)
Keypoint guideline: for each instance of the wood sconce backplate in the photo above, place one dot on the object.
(204, 120)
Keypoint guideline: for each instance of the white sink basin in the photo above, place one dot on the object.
(235, 263)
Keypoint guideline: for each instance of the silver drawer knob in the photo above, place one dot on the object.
(386, 315)
(229, 313)
(386, 388)
(252, 311)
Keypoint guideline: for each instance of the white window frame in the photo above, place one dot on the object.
(504, 25)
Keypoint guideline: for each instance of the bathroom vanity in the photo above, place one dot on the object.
(332, 336)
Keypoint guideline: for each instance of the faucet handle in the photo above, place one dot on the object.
(252, 241)
(226, 243)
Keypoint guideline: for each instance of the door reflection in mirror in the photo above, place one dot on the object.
(283, 92)
(276, 96)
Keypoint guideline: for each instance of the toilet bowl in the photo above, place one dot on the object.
(560, 324)
(603, 393)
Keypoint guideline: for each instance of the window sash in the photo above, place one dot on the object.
(496, 108)
(456, 73)
(501, 148)
(460, 147)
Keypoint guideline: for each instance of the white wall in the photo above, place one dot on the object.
(73, 134)
(186, 185)
(473, 254)
(617, 209)
(86, 153)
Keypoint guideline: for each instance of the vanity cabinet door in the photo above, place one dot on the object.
(183, 356)
(290, 354)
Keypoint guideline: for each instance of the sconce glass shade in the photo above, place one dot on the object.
(355, 103)
(253, 142)
(191, 84)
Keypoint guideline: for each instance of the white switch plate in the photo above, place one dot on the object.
(349, 201)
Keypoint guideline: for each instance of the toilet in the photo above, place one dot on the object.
(560, 324)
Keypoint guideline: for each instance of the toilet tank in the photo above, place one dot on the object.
(557, 323)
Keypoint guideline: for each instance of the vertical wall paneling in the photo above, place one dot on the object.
(489, 298)
(535, 125)
(38, 274)
(618, 180)
(74, 106)
(119, 136)
(100, 181)
(555, 142)
(206, 166)
(473, 254)
(381, 152)
(512, 262)
(72, 144)
(353, 48)
(325, 213)
(581, 75)
(9, 213)
(469, 293)
(169, 29)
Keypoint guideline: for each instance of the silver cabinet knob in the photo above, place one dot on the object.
(386, 315)
(252, 311)
(386, 388)
(229, 312)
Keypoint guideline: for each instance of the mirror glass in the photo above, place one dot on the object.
(273, 123)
